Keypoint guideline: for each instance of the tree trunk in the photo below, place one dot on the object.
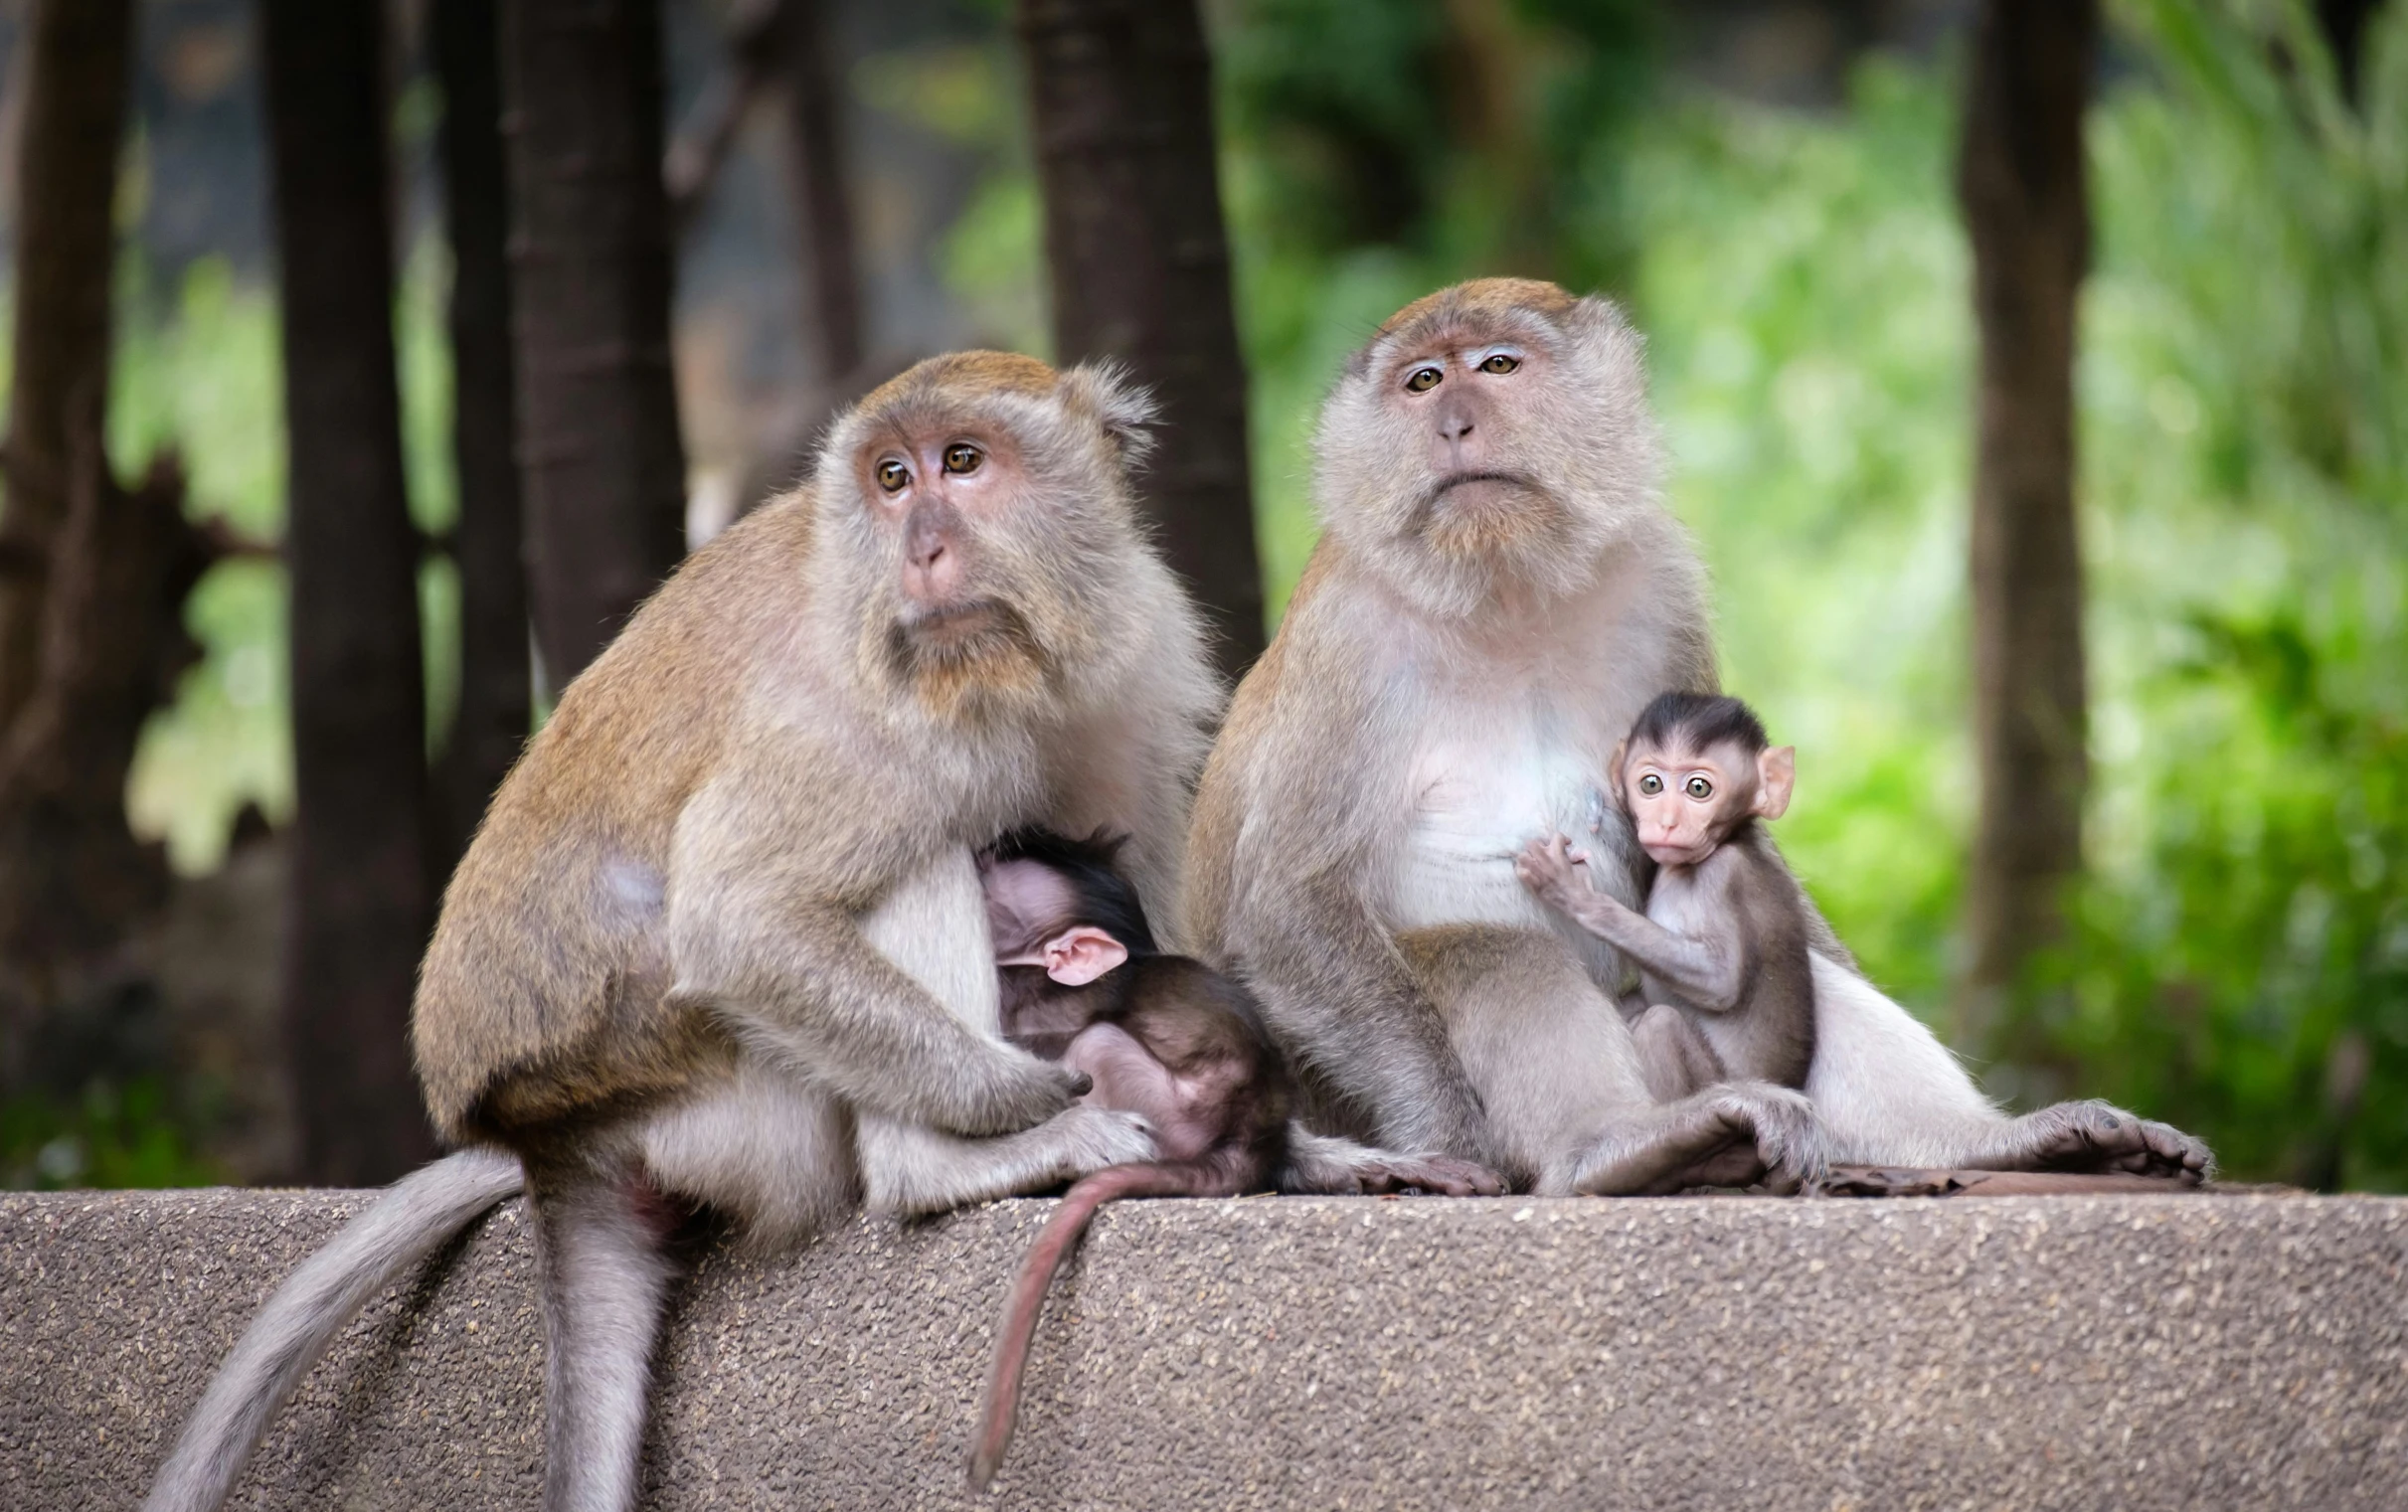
(602, 465)
(1120, 92)
(66, 185)
(75, 882)
(2345, 26)
(831, 282)
(2022, 180)
(360, 899)
(492, 721)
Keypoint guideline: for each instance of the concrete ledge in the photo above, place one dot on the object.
(1722, 1352)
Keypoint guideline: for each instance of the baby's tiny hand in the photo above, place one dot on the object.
(1546, 866)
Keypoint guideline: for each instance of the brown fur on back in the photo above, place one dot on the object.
(527, 976)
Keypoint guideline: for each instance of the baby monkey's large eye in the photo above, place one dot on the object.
(892, 475)
(1500, 363)
(1423, 380)
(1699, 788)
(962, 457)
(1650, 785)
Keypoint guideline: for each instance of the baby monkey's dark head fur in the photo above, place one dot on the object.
(1695, 770)
(1039, 883)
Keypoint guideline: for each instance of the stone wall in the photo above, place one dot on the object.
(1712, 1353)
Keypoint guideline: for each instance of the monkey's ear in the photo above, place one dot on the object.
(1622, 748)
(1119, 403)
(1078, 956)
(1776, 774)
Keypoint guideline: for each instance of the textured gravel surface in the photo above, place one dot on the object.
(1711, 1353)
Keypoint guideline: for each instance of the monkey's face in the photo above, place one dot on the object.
(1490, 438)
(1685, 802)
(977, 529)
(942, 496)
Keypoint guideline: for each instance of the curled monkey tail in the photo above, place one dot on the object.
(417, 1215)
(1000, 1411)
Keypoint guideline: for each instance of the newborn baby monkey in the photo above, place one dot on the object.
(1160, 1035)
(1722, 946)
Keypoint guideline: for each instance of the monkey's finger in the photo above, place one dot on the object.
(1081, 1084)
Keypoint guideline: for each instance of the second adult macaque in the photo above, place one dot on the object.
(1498, 592)
(1727, 986)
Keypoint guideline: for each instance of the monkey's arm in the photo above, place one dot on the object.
(763, 934)
(1709, 971)
(911, 1170)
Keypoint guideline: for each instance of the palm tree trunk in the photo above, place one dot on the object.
(67, 188)
(1120, 92)
(488, 545)
(2022, 184)
(599, 454)
(361, 901)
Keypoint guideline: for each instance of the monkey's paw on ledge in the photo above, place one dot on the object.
(2074, 1351)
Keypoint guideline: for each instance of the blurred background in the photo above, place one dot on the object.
(2036, 378)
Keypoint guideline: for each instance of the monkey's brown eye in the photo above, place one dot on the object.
(1650, 785)
(1500, 363)
(962, 457)
(892, 475)
(1698, 787)
(1423, 380)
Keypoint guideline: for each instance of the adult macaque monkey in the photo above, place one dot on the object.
(1496, 593)
(723, 927)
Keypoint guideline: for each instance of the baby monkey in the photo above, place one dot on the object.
(1727, 990)
(1160, 1034)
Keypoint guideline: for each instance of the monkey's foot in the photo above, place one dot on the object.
(1733, 1135)
(1386, 1175)
(2096, 1136)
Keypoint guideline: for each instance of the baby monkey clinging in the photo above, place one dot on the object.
(1727, 991)
(1162, 1036)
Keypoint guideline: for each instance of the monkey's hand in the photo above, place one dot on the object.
(1729, 1135)
(1095, 1136)
(1550, 869)
(1020, 1091)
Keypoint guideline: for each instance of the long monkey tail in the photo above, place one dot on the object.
(999, 1409)
(418, 1216)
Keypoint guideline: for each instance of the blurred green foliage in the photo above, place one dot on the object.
(197, 371)
(129, 1136)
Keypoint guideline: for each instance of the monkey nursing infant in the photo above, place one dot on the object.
(1727, 992)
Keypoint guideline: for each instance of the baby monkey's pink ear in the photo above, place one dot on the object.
(1613, 764)
(1776, 774)
(1078, 956)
